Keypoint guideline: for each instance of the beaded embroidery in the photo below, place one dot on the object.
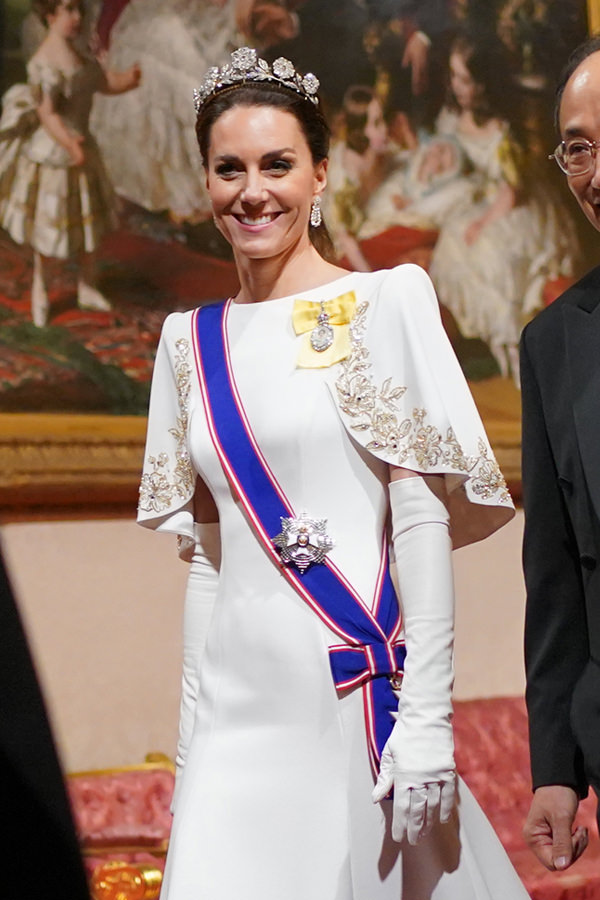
(164, 482)
(411, 440)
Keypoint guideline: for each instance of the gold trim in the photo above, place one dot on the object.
(117, 880)
(593, 8)
(159, 849)
(152, 762)
(69, 461)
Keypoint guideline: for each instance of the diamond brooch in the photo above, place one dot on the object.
(321, 337)
(303, 541)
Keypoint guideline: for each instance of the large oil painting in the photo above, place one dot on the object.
(481, 208)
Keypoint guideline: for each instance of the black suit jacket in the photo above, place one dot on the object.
(39, 852)
(560, 371)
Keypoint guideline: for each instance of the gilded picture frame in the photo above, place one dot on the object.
(83, 463)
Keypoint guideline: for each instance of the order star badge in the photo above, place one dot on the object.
(303, 541)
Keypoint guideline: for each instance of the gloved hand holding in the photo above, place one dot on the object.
(418, 758)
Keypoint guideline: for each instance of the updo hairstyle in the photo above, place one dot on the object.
(308, 115)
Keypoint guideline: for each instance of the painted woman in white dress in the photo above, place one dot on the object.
(358, 162)
(347, 408)
(148, 141)
(174, 41)
(492, 260)
(55, 195)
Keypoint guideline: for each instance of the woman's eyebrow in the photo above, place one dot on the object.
(272, 154)
(275, 154)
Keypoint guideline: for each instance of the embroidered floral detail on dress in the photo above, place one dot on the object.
(167, 480)
(408, 440)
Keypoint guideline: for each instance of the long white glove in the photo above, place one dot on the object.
(418, 758)
(200, 596)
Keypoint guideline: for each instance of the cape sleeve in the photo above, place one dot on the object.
(401, 395)
(168, 478)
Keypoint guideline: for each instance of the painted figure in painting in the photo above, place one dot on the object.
(55, 195)
(428, 184)
(173, 42)
(492, 260)
(357, 165)
(268, 410)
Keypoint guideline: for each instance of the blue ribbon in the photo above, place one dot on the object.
(372, 655)
(355, 665)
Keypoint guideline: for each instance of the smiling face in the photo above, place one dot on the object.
(262, 180)
(66, 19)
(579, 116)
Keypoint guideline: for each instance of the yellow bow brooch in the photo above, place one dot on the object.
(325, 330)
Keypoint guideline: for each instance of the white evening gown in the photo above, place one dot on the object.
(275, 799)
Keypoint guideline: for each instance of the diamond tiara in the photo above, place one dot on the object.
(246, 66)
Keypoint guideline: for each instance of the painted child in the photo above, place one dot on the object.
(55, 195)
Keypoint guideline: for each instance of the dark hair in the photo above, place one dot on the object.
(354, 106)
(265, 93)
(487, 60)
(45, 8)
(587, 48)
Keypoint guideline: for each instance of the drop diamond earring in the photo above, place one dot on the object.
(315, 213)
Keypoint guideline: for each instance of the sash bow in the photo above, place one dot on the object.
(351, 666)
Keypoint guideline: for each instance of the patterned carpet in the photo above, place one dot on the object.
(87, 361)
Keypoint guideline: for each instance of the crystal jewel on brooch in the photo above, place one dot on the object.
(321, 337)
(303, 541)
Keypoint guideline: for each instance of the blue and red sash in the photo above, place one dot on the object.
(372, 652)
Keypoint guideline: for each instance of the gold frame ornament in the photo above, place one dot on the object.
(69, 463)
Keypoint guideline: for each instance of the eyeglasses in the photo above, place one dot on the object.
(576, 156)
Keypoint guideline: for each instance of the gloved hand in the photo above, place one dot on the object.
(203, 580)
(418, 758)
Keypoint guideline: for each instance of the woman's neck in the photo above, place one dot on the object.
(267, 279)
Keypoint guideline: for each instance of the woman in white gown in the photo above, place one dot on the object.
(148, 145)
(493, 259)
(336, 396)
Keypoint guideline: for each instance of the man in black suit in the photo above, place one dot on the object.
(39, 852)
(560, 372)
